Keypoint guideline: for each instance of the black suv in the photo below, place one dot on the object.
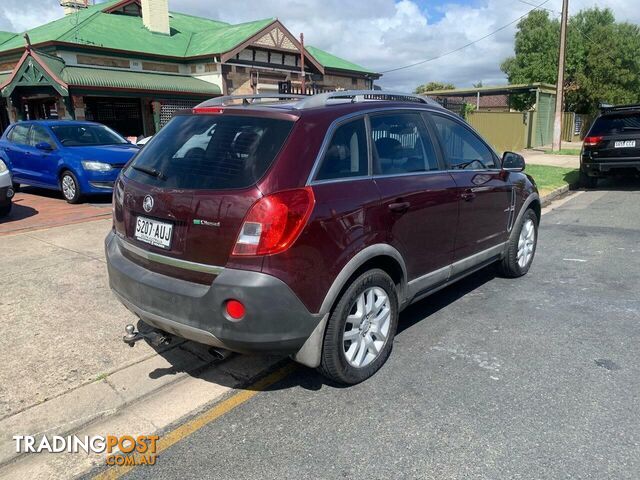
(612, 144)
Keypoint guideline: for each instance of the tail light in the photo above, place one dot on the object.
(592, 141)
(274, 222)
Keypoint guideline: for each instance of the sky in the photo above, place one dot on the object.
(378, 34)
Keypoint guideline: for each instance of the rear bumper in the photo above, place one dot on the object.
(275, 320)
(604, 167)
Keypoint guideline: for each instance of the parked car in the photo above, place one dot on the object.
(77, 158)
(306, 226)
(612, 145)
(6, 190)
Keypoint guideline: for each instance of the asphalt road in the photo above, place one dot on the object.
(493, 378)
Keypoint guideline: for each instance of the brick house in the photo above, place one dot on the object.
(131, 64)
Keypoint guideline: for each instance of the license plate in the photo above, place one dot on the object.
(625, 144)
(154, 232)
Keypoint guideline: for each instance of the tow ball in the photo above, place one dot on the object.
(156, 339)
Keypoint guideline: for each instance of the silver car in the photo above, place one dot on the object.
(6, 190)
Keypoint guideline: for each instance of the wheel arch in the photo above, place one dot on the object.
(381, 256)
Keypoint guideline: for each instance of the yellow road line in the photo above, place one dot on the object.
(215, 412)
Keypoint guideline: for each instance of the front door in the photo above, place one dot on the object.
(483, 190)
(417, 195)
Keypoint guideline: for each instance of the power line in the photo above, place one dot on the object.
(468, 44)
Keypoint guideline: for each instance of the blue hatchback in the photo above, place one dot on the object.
(77, 158)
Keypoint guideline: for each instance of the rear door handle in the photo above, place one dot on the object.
(468, 195)
(399, 207)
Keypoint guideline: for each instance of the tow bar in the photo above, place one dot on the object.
(154, 338)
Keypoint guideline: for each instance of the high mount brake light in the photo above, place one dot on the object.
(206, 110)
(274, 222)
(592, 141)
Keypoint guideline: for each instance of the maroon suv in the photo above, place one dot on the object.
(305, 225)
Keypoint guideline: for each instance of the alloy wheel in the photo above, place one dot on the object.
(68, 187)
(526, 243)
(367, 327)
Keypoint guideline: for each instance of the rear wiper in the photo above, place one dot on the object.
(150, 171)
(631, 128)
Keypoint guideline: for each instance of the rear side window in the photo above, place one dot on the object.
(19, 134)
(402, 144)
(210, 152)
(346, 156)
(616, 123)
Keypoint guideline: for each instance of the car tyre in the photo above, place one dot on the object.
(521, 246)
(586, 181)
(361, 328)
(5, 210)
(16, 187)
(70, 187)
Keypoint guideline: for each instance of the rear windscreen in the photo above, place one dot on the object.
(616, 123)
(210, 152)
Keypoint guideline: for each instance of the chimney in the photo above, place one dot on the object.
(72, 6)
(155, 15)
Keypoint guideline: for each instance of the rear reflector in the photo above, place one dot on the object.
(235, 309)
(592, 141)
(274, 222)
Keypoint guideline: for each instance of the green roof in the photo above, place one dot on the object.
(104, 78)
(190, 36)
(329, 60)
(4, 36)
(89, 78)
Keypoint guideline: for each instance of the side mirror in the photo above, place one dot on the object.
(512, 162)
(44, 146)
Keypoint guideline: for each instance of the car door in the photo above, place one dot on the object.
(418, 196)
(484, 193)
(16, 150)
(43, 164)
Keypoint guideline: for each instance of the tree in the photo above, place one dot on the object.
(478, 85)
(602, 64)
(434, 86)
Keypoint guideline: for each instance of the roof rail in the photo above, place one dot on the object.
(356, 96)
(609, 108)
(248, 99)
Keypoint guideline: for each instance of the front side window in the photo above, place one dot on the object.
(19, 134)
(86, 135)
(346, 155)
(462, 147)
(38, 135)
(210, 152)
(401, 145)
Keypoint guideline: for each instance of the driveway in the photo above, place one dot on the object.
(492, 378)
(37, 209)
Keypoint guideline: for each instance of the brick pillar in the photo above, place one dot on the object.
(78, 107)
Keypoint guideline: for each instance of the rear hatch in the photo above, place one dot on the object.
(615, 136)
(187, 192)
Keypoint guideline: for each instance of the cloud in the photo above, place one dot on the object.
(378, 34)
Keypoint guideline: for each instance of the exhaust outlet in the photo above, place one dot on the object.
(220, 353)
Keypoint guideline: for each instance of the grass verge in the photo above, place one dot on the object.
(549, 178)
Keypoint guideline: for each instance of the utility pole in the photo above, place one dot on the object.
(557, 122)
